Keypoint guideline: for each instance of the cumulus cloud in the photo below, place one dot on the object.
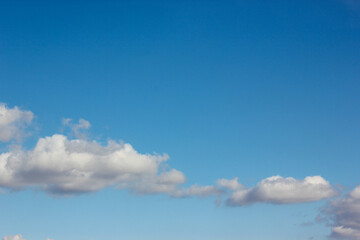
(62, 166)
(278, 190)
(344, 216)
(59, 165)
(12, 122)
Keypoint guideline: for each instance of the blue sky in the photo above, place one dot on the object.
(226, 88)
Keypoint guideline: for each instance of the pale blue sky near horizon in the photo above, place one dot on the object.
(226, 88)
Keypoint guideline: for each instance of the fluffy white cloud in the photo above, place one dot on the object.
(12, 122)
(344, 216)
(62, 166)
(16, 237)
(278, 190)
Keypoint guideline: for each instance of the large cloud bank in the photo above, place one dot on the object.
(278, 190)
(12, 122)
(344, 216)
(60, 165)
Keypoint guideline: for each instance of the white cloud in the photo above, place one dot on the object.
(62, 166)
(232, 184)
(341, 232)
(16, 237)
(166, 182)
(344, 216)
(198, 191)
(12, 122)
(278, 190)
(77, 127)
(59, 165)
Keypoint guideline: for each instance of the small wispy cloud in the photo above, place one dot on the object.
(17, 237)
(12, 123)
(77, 128)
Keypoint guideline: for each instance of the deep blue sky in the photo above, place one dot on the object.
(226, 88)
